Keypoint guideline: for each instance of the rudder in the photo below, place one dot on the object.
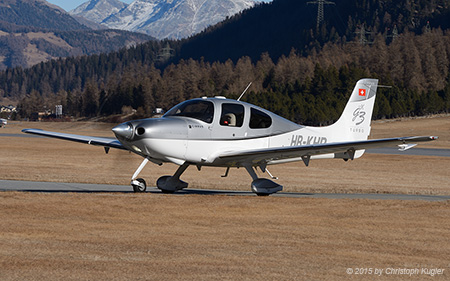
(354, 123)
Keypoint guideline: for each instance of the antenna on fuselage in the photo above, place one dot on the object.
(244, 91)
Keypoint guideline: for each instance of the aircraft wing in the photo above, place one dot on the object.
(105, 142)
(345, 149)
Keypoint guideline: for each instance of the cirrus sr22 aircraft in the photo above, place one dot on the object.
(3, 122)
(228, 133)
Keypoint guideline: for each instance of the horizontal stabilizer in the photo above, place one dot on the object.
(404, 147)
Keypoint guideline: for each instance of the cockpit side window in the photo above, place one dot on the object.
(198, 109)
(259, 119)
(232, 115)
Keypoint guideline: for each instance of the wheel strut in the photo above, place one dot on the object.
(139, 185)
(260, 186)
(170, 184)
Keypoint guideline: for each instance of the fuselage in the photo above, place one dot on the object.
(198, 130)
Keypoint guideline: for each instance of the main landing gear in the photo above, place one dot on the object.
(170, 184)
(261, 186)
(167, 184)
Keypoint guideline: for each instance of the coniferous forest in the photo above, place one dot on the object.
(307, 80)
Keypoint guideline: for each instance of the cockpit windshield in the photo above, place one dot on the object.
(198, 109)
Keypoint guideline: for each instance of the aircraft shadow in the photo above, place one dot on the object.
(157, 191)
(240, 193)
(64, 191)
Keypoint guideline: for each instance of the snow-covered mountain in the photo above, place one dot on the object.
(173, 19)
(98, 10)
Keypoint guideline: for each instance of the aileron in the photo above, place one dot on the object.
(305, 152)
(106, 142)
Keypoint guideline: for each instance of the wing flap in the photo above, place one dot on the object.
(281, 153)
(106, 142)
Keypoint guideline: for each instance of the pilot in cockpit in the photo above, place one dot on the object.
(228, 119)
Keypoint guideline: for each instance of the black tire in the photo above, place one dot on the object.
(263, 194)
(165, 191)
(140, 188)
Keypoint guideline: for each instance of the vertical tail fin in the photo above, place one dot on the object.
(354, 123)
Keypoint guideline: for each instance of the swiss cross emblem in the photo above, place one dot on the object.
(362, 92)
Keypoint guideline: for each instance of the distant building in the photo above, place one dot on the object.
(158, 110)
(59, 111)
(7, 109)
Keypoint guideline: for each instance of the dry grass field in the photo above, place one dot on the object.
(125, 236)
(170, 237)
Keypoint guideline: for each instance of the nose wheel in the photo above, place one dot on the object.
(139, 185)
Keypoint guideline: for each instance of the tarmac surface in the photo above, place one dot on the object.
(418, 151)
(56, 187)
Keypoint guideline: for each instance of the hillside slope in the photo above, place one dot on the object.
(281, 25)
(32, 31)
(37, 14)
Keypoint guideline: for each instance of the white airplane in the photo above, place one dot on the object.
(229, 133)
(3, 122)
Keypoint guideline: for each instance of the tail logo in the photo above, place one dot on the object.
(362, 92)
(358, 114)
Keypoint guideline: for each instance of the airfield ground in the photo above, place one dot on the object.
(85, 236)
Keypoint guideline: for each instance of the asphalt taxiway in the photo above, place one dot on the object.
(49, 187)
(57, 187)
(417, 151)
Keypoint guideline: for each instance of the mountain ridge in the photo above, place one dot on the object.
(32, 31)
(37, 14)
(97, 10)
(162, 19)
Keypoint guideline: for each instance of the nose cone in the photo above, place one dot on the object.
(123, 131)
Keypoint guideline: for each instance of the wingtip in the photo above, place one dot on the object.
(434, 137)
(28, 131)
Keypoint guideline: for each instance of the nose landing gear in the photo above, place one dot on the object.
(167, 184)
(139, 185)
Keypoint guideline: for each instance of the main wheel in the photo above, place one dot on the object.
(262, 194)
(165, 191)
(139, 187)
